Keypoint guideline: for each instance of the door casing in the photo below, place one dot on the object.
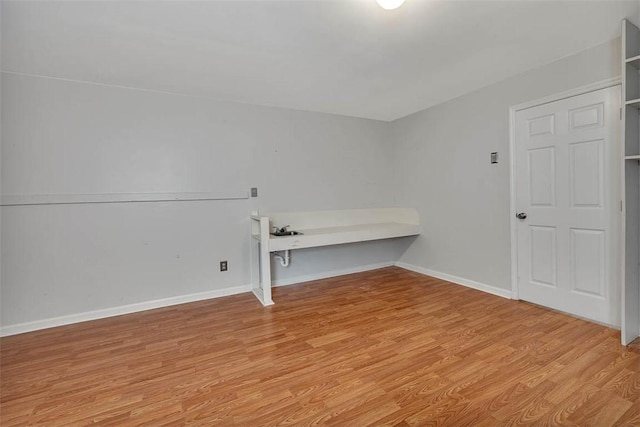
(617, 263)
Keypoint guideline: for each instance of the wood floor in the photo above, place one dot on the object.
(387, 347)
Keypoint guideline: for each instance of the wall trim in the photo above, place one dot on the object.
(332, 273)
(504, 293)
(75, 199)
(592, 87)
(117, 311)
(182, 299)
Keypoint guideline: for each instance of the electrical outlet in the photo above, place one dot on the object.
(223, 265)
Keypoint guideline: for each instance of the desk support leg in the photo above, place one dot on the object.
(263, 292)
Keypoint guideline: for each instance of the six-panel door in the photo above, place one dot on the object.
(566, 157)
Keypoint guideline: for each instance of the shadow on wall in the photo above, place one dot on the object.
(346, 259)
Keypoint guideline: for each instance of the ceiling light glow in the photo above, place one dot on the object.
(390, 4)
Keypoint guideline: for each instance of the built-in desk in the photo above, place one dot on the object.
(321, 228)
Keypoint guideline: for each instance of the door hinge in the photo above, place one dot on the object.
(621, 206)
(620, 113)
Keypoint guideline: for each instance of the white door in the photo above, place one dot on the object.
(567, 202)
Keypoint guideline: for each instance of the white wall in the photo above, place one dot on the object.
(442, 168)
(62, 137)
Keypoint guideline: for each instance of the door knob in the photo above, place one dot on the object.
(521, 215)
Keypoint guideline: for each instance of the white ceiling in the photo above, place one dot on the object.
(345, 57)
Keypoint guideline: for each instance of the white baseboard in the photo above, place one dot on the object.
(165, 302)
(457, 280)
(116, 311)
(326, 274)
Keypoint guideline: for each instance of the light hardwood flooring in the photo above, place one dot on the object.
(386, 347)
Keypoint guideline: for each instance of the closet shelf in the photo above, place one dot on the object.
(633, 103)
(630, 275)
(635, 61)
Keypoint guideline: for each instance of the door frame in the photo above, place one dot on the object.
(604, 84)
